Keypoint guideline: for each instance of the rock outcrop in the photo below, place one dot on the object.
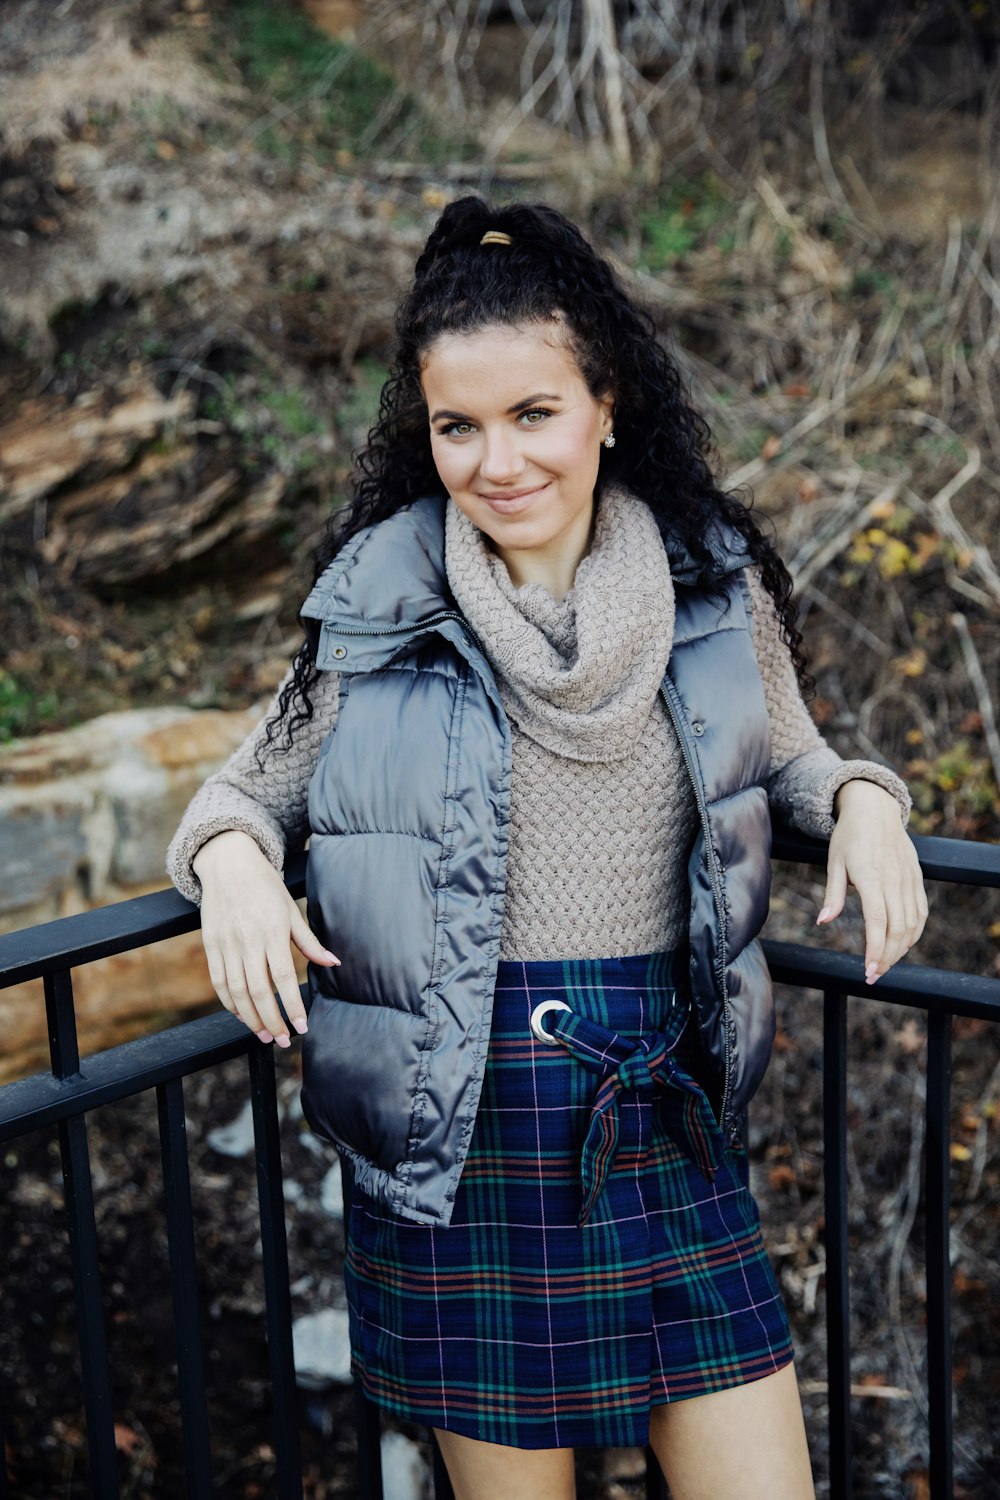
(85, 819)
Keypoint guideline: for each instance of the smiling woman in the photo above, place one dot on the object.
(522, 467)
(546, 700)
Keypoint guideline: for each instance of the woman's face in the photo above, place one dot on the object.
(516, 438)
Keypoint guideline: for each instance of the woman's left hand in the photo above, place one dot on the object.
(870, 848)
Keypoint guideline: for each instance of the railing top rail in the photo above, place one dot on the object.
(33, 952)
(956, 993)
(956, 861)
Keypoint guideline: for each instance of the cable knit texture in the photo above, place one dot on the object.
(602, 814)
(577, 675)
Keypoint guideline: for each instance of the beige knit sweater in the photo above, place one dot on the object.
(602, 813)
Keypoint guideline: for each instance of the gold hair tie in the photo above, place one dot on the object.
(496, 237)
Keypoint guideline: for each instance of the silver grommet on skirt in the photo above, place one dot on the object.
(542, 1009)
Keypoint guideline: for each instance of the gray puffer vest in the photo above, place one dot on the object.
(409, 809)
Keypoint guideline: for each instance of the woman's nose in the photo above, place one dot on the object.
(502, 459)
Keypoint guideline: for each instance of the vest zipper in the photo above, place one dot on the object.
(676, 717)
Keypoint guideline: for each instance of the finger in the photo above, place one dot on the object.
(262, 995)
(217, 976)
(236, 982)
(285, 981)
(307, 942)
(897, 936)
(836, 890)
(876, 929)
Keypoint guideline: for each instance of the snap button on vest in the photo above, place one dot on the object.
(697, 727)
(340, 652)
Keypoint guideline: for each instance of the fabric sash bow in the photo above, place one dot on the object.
(626, 1064)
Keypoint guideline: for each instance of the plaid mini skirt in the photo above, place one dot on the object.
(605, 1253)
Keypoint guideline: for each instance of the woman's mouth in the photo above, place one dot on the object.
(508, 502)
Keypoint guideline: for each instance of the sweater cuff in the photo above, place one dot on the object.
(802, 791)
(189, 838)
(863, 770)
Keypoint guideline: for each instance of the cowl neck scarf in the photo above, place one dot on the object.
(577, 675)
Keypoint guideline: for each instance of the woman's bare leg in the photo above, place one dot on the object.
(748, 1442)
(489, 1471)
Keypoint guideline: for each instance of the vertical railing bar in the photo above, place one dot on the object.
(443, 1489)
(656, 1485)
(98, 1404)
(60, 1017)
(4, 1478)
(367, 1420)
(274, 1252)
(184, 1289)
(838, 1297)
(937, 1198)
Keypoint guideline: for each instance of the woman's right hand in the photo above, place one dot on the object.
(248, 923)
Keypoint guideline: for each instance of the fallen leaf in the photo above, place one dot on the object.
(771, 447)
(782, 1177)
(913, 664)
(920, 1484)
(910, 1036)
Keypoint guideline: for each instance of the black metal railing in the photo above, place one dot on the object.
(63, 1097)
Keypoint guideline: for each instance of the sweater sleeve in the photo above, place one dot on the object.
(806, 773)
(270, 804)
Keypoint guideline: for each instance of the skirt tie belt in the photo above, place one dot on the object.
(640, 1065)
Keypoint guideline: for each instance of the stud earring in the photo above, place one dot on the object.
(609, 441)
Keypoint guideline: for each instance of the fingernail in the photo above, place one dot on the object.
(283, 1040)
(331, 956)
(301, 1025)
(871, 973)
(264, 1036)
(824, 916)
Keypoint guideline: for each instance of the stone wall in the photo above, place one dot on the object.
(85, 819)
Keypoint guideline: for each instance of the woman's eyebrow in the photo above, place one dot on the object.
(529, 401)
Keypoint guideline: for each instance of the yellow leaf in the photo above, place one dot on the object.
(926, 548)
(895, 558)
(914, 736)
(959, 1152)
(994, 930)
(883, 511)
(913, 664)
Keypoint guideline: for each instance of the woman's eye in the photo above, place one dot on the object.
(457, 428)
(535, 412)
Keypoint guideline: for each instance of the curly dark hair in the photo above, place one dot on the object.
(664, 451)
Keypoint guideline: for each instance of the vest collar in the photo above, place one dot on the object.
(390, 578)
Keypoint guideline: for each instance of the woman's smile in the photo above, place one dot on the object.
(516, 439)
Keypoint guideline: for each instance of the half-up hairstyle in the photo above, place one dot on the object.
(548, 272)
